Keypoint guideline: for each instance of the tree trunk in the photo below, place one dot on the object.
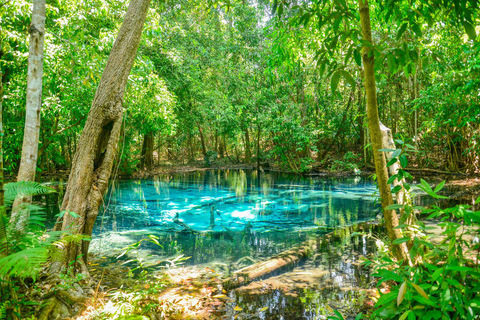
(391, 219)
(28, 163)
(248, 152)
(3, 215)
(147, 152)
(97, 147)
(258, 148)
(202, 140)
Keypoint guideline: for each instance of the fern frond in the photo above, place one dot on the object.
(24, 264)
(3, 310)
(24, 188)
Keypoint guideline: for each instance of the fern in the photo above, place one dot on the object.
(3, 310)
(24, 264)
(28, 262)
(24, 188)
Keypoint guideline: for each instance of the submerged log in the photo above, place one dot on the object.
(267, 267)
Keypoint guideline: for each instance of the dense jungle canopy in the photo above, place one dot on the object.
(239, 82)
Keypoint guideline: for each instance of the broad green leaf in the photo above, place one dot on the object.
(391, 162)
(396, 189)
(334, 81)
(417, 30)
(357, 57)
(470, 30)
(402, 29)
(348, 77)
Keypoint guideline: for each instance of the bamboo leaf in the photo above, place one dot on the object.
(401, 294)
(420, 290)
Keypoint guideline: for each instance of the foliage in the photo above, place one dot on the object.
(445, 281)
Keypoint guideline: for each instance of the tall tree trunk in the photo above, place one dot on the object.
(3, 215)
(28, 163)
(146, 159)
(258, 147)
(97, 147)
(391, 219)
(248, 152)
(202, 140)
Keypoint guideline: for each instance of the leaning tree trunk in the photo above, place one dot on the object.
(28, 163)
(391, 219)
(97, 147)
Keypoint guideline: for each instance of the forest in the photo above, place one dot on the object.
(190, 159)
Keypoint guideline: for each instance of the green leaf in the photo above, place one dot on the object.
(359, 316)
(420, 290)
(404, 316)
(334, 81)
(394, 207)
(390, 275)
(396, 189)
(439, 186)
(470, 30)
(403, 161)
(391, 162)
(402, 29)
(417, 30)
(401, 240)
(401, 295)
(348, 77)
(357, 57)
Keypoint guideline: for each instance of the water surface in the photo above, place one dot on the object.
(222, 216)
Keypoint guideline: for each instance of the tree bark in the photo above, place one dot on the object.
(146, 160)
(28, 163)
(97, 147)
(248, 152)
(202, 140)
(3, 215)
(391, 219)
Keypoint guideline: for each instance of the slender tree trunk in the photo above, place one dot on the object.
(258, 147)
(3, 215)
(146, 159)
(391, 219)
(28, 163)
(202, 140)
(248, 152)
(97, 147)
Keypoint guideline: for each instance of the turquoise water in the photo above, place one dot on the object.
(225, 215)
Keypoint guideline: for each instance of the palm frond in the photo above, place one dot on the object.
(24, 188)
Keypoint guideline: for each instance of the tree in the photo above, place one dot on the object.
(97, 147)
(368, 59)
(31, 134)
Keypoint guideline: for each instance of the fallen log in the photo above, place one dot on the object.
(275, 263)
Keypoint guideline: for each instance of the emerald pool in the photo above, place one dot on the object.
(222, 216)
